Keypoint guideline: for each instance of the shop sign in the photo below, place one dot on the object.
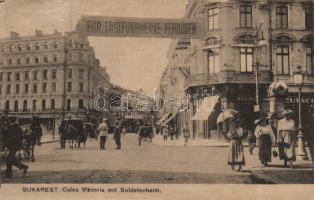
(304, 100)
(141, 27)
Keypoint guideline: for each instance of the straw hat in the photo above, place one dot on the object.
(286, 112)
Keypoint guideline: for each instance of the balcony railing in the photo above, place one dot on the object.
(228, 76)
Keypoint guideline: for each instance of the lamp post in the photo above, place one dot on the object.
(299, 80)
(259, 41)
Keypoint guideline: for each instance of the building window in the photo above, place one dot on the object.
(69, 86)
(0, 89)
(35, 75)
(35, 88)
(7, 105)
(45, 74)
(9, 76)
(309, 18)
(19, 61)
(10, 61)
(81, 86)
(70, 56)
(213, 62)
(54, 86)
(46, 45)
(16, 106)
(71, 43)
(283, 60)
(25, 105)
(26, 88)
(19, 47)
(43, 105)
(17, 88)
(2, 49)
(81, 104)
(246, 59)
(55, 58)
(245, 16)
(81, 57)
(44, 87)
(46, 59)
(1, 76)
(11, 48)
(69, 73)
(213, 18)
(8, 89)
(26, 76)
(34, 105)
(68, 108)
(27, 60)
(37, 46)
(82, 45)
(53, 104)
(17, 76)
(54, 74)
(310, 60)
(81, 76)
(36, 60)
(28, 47)
(55, 44)
(282, 16)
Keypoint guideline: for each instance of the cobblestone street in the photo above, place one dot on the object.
(150, 163)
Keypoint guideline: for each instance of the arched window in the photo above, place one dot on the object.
(7, 105)
(16, 106)
(25, 105)
(34, 105)
(43, 105)
(81, 104)
(53, 104)
(68, 108)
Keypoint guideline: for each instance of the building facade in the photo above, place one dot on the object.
(53, 76)
(226, 60)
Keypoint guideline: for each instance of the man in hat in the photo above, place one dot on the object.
(103, 133)
(117, 134)
(4, 126)
(13, 142)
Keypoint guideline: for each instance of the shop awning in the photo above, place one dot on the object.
(206, 108)
(167, 118)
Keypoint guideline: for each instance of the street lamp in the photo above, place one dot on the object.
(299, 80)
(259, 41)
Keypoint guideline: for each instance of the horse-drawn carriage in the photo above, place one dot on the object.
(73, 131)
(145, 132)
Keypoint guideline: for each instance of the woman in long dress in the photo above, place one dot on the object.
(236, 154)
(286, 138)
(266, 138)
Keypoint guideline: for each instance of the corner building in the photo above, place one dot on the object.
(223, 62)
(53, 76)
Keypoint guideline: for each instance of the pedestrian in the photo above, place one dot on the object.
(4, 126)
(165, 133)
(123, 130)
(251, 140)
(236, 154)
(186, 134)
(103, 133)
(117, 134)
(266, 138)
(172, 132)
(13, 142)
(286, 136)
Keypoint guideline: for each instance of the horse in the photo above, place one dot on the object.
(72, 132)
(31, 137)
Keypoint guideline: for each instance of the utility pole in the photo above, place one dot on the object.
(64, 76)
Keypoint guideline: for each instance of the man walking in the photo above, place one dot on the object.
(14, 139)
(117, 134)
(186, 134)
(103, 133)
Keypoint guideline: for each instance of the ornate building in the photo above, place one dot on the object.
(226, 60)
(53, 76)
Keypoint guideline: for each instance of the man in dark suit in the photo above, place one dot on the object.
(13, 142)
(117, 134)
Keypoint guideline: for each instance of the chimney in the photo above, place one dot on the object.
(38, 33)
(14, 35)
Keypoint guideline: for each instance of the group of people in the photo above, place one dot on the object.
(267, 136)
(103, 131)
(12, 135)
(167, 131)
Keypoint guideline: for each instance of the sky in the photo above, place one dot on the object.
(132, 63)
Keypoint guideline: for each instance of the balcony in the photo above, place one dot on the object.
(227, 76)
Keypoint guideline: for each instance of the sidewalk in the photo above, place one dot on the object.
(158, 140)
(48, 138)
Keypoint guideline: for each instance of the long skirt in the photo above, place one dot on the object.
(286, 146)
(236, 154)
(265, 148)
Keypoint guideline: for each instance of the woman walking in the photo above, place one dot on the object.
(266, 138)
(236, 154)
(286, 138)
